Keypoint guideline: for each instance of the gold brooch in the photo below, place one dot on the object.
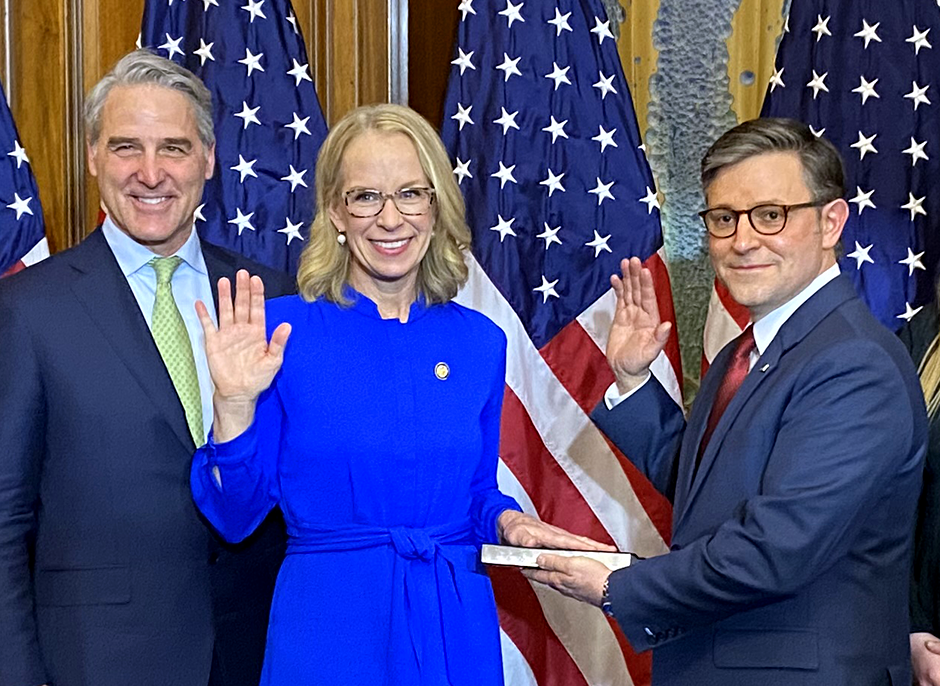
(441, 371)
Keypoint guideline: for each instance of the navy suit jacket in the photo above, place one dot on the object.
(792, 541)
(108, 576)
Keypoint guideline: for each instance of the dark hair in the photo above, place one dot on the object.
(823, 172)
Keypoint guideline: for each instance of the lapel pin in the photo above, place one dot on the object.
(764, 368)
(441, 371)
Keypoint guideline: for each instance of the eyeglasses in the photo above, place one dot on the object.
(366, 202)
(767, 220)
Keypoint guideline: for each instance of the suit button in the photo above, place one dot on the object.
(213, 558)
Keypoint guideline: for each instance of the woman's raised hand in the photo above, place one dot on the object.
(242, 361)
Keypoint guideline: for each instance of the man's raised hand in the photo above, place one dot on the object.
(637, 334)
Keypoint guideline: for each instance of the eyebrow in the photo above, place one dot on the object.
(405, 186)
(123, 140)
(181, 142)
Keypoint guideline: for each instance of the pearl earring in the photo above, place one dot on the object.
(341, 238)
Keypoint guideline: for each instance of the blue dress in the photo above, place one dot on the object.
(378, 440)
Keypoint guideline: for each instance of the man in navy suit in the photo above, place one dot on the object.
(108, 576)
(793, 501)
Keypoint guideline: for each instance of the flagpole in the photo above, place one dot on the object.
(398, 51)
(7, 52)
(75, 152)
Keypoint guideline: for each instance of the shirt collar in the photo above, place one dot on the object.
(131, 256)
(767, 327)
(365, 305)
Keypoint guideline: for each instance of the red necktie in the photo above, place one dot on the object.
(734, 377)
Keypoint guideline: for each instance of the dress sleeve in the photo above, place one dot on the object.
(235, 483)
(487, 501)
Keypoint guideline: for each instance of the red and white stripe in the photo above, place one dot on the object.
(561, 468)
(724, 322)
(40, 251)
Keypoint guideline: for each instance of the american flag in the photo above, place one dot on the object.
(866, 76)
(268, 122)
(545, 145)
(22, 231)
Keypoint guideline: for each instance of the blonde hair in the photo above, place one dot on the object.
(324, 265)
(929, 373)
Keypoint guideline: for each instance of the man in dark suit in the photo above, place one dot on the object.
(796, 477)
(108, 576)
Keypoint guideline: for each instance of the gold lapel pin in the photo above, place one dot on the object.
(441, 371)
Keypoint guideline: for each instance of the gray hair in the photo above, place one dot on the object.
(142, 68)
(823, 172)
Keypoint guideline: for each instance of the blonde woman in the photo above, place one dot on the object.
(375, 428)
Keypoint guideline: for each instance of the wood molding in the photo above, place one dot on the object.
(348, 45)
(40, 97)
(60, 48)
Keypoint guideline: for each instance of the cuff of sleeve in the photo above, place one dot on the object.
(924, 627)
(507, 504)
(613, 397)
(234, 450)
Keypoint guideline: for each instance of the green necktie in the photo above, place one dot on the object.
(169, 333)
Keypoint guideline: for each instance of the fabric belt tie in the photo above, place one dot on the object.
(424, 580)
(413, 544)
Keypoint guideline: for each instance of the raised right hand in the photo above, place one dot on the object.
(242, 361)
(637, 334)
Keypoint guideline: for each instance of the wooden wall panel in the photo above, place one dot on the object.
(110, 29)
(41, 104)
(60, 48)
(356, 56)
(639, 55)
(347, 42)
(752, 49)
(432, 30)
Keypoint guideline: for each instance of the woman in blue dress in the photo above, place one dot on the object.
(375, 429)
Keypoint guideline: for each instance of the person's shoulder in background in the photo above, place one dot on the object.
(918, 333)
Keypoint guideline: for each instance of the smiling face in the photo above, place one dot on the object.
(150, 164)
(764, 272)
(387, 249)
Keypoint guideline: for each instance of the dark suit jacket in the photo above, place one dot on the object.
(108, 576)
(791, 543)
(925, 578)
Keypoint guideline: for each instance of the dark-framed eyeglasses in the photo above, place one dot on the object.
(767, 219)
(368, 202)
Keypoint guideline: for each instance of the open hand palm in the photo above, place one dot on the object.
(637, 334)
(242, 361)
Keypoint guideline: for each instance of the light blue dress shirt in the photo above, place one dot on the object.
(190, 283)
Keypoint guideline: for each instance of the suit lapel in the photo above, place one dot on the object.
(219, 263)
(695, 427)
(103, 291)
(794, 330)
